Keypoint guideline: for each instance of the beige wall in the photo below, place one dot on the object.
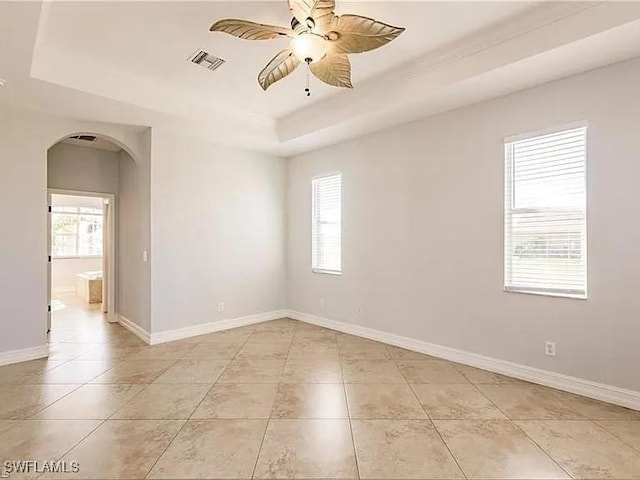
(72, 167)
(218, 224)
(25, 138)
(423, 232)
(218, 228)
(133, 298)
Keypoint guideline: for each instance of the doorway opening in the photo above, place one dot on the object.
(81, 260)
(83, 189)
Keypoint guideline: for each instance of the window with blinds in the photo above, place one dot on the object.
(545, 213)
(327, 224)
(76, 232)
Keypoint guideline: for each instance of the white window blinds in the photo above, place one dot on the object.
(327, 224)
(545, 213)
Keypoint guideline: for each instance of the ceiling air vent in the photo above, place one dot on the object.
(206, 60)
(84, 138)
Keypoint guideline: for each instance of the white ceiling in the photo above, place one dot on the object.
(152, 41)
(126, 62)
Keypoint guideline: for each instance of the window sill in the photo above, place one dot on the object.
(326, 272)
(76, 257)
(573, 296)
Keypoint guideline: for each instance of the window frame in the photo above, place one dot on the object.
(509, 196)
(77, 214)
(315, 269)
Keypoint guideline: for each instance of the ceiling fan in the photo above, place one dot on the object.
(318, 38)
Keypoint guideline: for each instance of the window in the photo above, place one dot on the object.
(545, 213)
(76, 232)
(326, 236)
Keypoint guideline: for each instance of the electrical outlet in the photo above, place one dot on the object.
(321, 302)
(221, 307)
(550, 349)
(145, 255)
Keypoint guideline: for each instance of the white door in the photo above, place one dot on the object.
(49, 234)
(106, 254)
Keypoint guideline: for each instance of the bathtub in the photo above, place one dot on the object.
(89, 286)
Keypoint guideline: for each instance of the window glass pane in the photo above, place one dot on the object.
(548, 171)
(90, 225)
(75, 233)
(90, 245)
(64, 224)
(64, 245)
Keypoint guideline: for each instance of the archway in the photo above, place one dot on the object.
(84, 173)
(109, 138)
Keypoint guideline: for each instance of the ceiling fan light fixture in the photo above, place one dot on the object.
(318, 38)
(308, 47)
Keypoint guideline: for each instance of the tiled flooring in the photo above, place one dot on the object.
(284, 399)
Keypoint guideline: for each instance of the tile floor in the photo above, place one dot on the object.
(284, 399)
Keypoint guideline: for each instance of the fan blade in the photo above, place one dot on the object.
(279, 67)
(320, 10)
(358, 34)
(250, 30)
(334, 69)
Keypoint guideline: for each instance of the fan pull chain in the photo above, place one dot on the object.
(307, 90)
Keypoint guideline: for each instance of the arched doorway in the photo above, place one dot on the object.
(84, 173)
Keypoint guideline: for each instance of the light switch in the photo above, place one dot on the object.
(145, 256)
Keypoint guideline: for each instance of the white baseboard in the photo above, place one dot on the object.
(64, 289)
(579, 386)
(23, 355)
(134, 328)
(210, 327)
